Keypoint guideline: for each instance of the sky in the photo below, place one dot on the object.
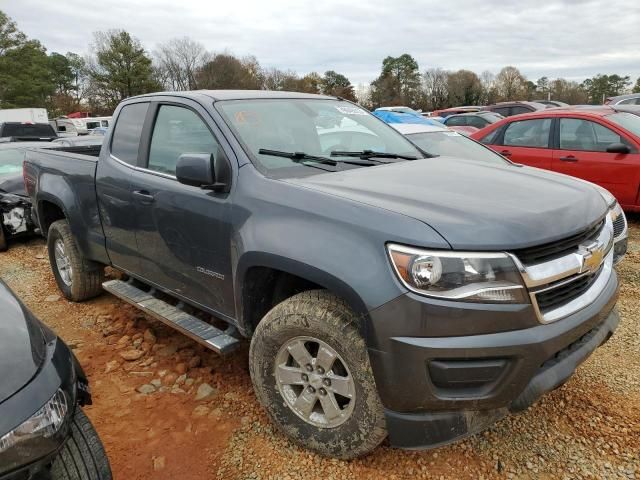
(572, 39)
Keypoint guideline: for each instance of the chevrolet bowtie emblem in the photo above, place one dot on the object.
(592, 256)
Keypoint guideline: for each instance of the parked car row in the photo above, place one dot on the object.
(599, 144)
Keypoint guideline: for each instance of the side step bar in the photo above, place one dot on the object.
(208, 335)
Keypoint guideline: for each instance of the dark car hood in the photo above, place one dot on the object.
(12, 184)
(22, 344)
(473, 205)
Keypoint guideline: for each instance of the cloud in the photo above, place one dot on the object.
(568, 38)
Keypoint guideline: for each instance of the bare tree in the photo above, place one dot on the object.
(489, 91)
(434, 84)
(511, 84)
(178, 61)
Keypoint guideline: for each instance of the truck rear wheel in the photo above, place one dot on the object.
(78, 278)
(82, 457)
(310, 370)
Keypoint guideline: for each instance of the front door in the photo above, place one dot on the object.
(582, 152)
(183, 232)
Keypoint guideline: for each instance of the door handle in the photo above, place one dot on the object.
(143, 196)
(505, 153)
(568, 158)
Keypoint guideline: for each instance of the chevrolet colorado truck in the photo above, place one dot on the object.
(386, 291)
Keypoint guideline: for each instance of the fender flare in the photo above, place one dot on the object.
(300, 269)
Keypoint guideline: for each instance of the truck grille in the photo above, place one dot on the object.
(618, 225)
(548, 251)
(565, 292)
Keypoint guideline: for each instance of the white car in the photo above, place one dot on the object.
(442, 141)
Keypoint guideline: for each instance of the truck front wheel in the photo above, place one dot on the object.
(310, 370)
(77, 277)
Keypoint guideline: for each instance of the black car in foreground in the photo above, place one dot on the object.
(44, 434)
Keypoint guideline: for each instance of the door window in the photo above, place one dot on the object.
(178, 130)
(519, 110)
(528, 133)
(578, 134)
(126, 135)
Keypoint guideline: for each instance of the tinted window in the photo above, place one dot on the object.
(455, 145)
(27, 130)
(11, 161)
(456, 121)
(577, 134)
(518, 110)
(178, 130)
(528, 133)
(504, 111)
(126, 135)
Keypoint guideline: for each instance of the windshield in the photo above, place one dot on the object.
(628, 121)
(11, 161)
(314, 127)
(452, 144)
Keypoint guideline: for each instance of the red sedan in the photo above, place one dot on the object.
(596, 143)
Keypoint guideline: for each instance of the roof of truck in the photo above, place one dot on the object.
(240, 94)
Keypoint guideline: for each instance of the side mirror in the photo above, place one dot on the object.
(196, 169)
(618, 148)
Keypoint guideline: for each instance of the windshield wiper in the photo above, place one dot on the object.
(369, 154)
(300, 157)
(297, 156)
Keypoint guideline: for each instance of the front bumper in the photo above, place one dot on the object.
(59, 370)
(440, 388)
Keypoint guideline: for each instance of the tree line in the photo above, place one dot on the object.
(118, 66)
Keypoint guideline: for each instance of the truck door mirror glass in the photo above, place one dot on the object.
(195, 169)
(618, 148)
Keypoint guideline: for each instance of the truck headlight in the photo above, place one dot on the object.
(44, 424)
(463, 276)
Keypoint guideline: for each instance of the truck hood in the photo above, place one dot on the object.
(12, 184)
(473, 205)
(22, 344)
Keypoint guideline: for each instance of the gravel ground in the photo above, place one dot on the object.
(166, 408)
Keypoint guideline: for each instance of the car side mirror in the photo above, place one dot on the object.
(198, 170)
(618, 148)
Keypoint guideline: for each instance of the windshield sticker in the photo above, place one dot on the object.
(247, 117)
(351, 111)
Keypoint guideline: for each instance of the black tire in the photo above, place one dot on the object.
(82, 457)
(323, 316)
(3, 239)
(87, 276)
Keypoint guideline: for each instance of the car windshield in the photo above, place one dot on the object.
(452, 144)
(310, 126)
(628, 121)
(11, 161)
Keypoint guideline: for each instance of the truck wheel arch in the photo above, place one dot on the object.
(277, 278)
(49, 210)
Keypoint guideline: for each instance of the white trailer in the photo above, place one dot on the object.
(24, 115)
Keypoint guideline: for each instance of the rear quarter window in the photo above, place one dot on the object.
(125, 141)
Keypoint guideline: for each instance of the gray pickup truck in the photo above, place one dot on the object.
(386, 291)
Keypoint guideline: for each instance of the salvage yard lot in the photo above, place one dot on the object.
(589, 428)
